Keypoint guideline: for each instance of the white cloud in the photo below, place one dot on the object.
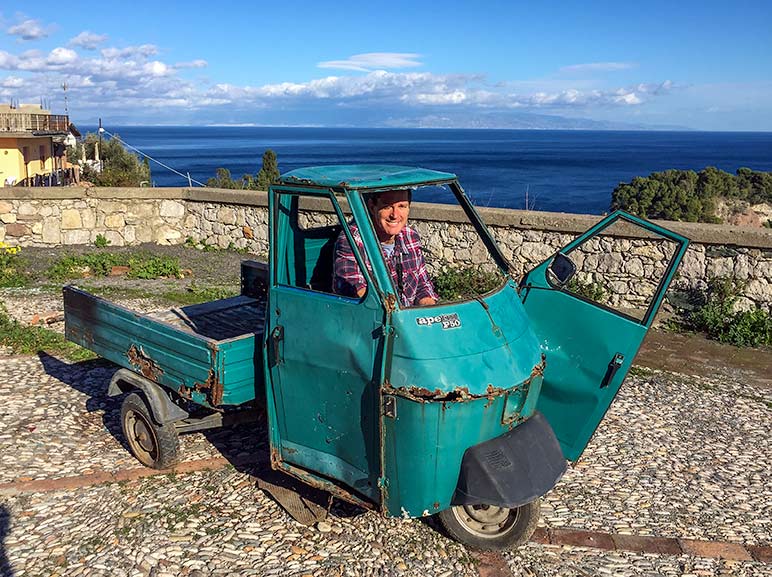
(61, 57)
(88, 40)
(143, 51)
(598, 67)
(12, 82)
(374, 61)
(132, 80)
(28, 30)
(192, 64)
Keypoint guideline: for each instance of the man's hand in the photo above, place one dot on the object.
(426, 301)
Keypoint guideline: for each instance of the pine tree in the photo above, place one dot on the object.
(269, 173)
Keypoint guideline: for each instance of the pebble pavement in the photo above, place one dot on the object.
(676, 456)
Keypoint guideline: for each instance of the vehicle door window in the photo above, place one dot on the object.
(305, 257)
(621, 268)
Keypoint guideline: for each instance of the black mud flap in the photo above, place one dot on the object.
(513, 469)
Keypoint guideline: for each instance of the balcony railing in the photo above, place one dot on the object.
(21, 122)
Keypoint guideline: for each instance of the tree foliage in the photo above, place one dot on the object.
(119, 166)
(688, 195)
(266, 176)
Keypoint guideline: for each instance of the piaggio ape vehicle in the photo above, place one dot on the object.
(467, 409)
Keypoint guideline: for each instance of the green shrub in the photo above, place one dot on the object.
(145, 266)
(101, 241)
(688, 195)
(100, 264)
(593, 291)
(465, 283)
(714, 315)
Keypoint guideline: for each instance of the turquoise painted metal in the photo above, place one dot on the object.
(374, 402)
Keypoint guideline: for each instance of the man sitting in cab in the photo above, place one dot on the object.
(401, 247)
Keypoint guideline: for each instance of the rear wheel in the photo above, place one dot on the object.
(156, 446)
(489, 526)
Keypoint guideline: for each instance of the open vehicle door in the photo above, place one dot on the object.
(592, 323)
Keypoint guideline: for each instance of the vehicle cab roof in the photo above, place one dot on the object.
(376, 176)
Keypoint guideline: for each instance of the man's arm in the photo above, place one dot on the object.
(425, 294)
(347, 280)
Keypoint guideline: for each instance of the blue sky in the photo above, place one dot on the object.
(699, 65)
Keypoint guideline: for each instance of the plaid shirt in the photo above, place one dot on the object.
(412, 284)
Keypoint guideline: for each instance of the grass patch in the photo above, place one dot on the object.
(28, 340)
(140, 265)
(11, 267)
(464, 283)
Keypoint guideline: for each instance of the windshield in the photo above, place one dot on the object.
(434, 252)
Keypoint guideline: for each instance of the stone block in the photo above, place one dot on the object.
(167, 235)
(227, 215)
(52, 233)
(110, 207)
(114, 237)
(27, 209)
(8, 218)
(143, 234)
(16, 229)
(720, 267)
(37, 227)
(71, 219)
(76, 237)
(46, 210)
(114, 221)
(88, 217)
(140, 211)
(2, 233)
(130, 234)
(5, 206)
(172, 209)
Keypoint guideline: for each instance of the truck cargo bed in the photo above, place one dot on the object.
(219, 320)
(210, 353)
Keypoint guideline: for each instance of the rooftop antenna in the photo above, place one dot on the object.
(64, 87)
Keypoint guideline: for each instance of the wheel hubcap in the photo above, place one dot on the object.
(486, 520)
(141, 437)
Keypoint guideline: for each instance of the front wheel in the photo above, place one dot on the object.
(489, 526)
(156, 446)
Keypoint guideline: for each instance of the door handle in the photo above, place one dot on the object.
(277, 335)
(612, 369)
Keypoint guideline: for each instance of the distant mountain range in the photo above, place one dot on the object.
(524, 121)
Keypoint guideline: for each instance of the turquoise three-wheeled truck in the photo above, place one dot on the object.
(468, 409)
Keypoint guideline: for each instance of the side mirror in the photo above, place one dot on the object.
(561, 270)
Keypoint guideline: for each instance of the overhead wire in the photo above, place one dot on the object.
(166, 166)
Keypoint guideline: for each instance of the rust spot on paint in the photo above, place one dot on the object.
(212, 388)
(457, 395)
(391, 302)
(147, 367)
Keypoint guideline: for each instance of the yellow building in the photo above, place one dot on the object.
(32, 143)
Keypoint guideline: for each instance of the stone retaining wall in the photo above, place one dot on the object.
(238, 219)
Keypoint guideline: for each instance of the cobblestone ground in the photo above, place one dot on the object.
(676, 456)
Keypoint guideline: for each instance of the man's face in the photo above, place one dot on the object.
(390, 211)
